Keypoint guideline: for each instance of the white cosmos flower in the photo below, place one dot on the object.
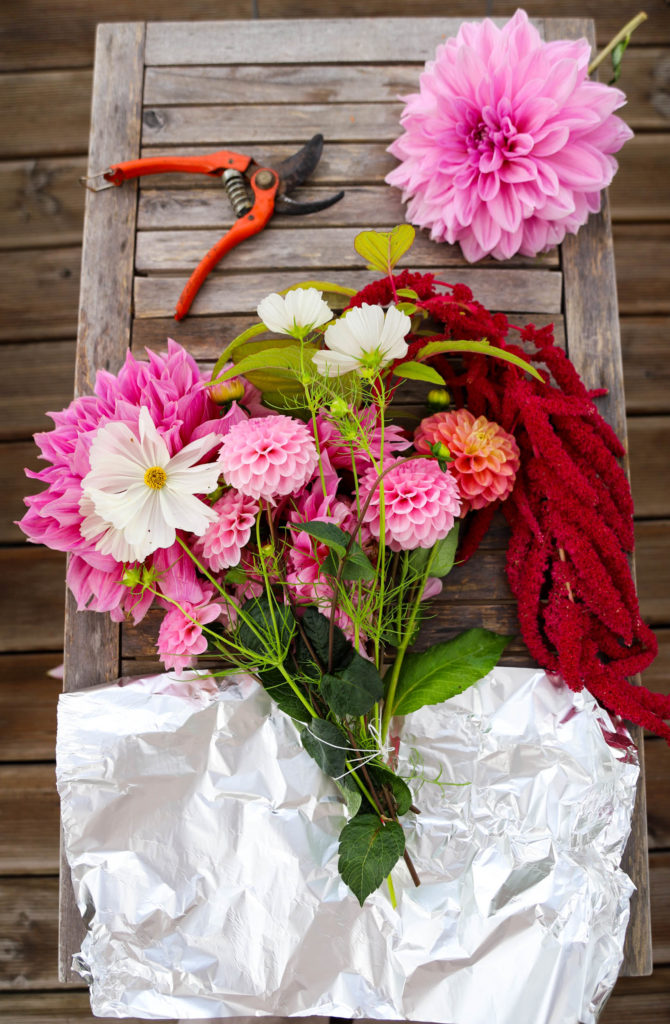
(136, 496)
(364, 340)
(296, 313)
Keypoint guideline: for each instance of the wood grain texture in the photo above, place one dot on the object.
(28, 698)
(43, 378)
(28, 799)
(38, 293)
(31, 599)
(92, 640)
(225, 293)
(646, 370)
(648, 448)
(643, 257)
(652, 558)
(41, 202)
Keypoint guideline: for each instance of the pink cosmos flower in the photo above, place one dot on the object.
(421, 502)
(173, 389)
(269, 456)
(221, 545)
(180, 638)
(486, 458)
(507, 145)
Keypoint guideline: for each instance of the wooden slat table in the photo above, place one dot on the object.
(264, 88)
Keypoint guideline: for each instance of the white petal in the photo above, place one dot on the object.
(148, 525)
(272, 311)
(306, 307)
(366, 324)
(185, 512)
(154, 448)
(396, 326)
(192, 453)
(119, 509)
(332, 364)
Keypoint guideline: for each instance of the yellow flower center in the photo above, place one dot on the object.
(155, 477)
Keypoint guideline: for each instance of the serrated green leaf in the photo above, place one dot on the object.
(446, 669)
(418, 371)
(354, 689)
(327, 533)
(241, 339)
(353, 797)
(443, 559)
(327, 745)
(368, 851)
(356, 567)
(283, 696)
(436, 348)
(317, 629)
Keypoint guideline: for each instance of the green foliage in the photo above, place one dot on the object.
(384, 776)
(383, 249)
(284, 697)
(317, 629)
(418, 371)
(328, 745)
(286, 359)
(436, 348)
(354, 689)
(368, 851)
(446, 669)
(265, 625)
(357, 564)
(241, 339)
(444, 553)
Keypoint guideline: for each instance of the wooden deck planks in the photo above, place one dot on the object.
(49, 224)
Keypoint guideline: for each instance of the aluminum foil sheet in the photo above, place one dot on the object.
(203, 846)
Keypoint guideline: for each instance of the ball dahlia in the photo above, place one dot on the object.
(421, 502)
(269, 456)
(486, 457)
(221, 544)
(507, 144)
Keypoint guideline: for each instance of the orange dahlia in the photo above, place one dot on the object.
(485, 457)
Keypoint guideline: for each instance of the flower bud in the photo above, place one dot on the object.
(339, 408)
(438, 398)
(440, 450)
(227, 391)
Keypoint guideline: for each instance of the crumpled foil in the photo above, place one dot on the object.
(203, 846)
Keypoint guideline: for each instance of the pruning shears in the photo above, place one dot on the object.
(255, 194)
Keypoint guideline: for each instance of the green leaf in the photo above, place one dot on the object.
(353, 797)
(418, 371)
(436, 348)
(283, 696)
(368, 851)
(356, 567)
(407, 293)
(382, 775)
(241, 339)
(443, 559)
(261, 637)
(287, 358)
(617, 54)
(327, 745)
(317, 630)
(383, 249)
(446, 669)
(354, 689)
(327, 533)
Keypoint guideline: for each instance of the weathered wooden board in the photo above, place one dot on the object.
(646, 370)
(643, 257)
(31, 599)
(38, 293)
(42, 379)
(28, 799)
(28, 698)
(27, 107)
(652, 556)
(41, 202)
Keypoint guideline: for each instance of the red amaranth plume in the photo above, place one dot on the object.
(571, 510)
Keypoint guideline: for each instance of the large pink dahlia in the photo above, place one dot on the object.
(486, 457)
(268, 456)
(508, 144)
(421, 502)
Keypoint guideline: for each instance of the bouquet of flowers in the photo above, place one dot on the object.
(287, 525)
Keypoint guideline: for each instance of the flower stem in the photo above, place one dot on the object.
(626, 31)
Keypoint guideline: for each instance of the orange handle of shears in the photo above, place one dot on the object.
(210, 163)
(249, 224)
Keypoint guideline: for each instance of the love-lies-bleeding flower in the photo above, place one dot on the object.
(296, 313)
(364, 340)
(268, 456)
(421, 502)
(485, 457)
(142, 493)
(508, 144)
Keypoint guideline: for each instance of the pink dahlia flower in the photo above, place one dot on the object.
(268, 456)
(173, 389)
(507, 145)
(421, 502)
(486, 457)
(180, 638)
(221, 544)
